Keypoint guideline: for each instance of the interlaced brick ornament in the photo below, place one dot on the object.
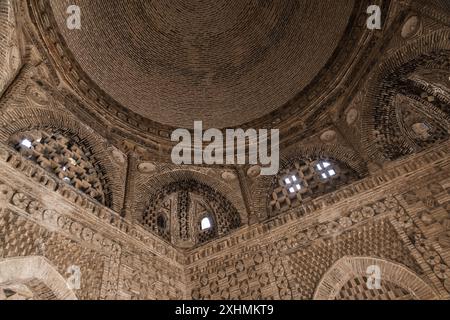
(389, 121)
(68, 157)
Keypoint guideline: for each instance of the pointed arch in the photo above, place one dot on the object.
(25, 269)
(347, 268)
(341, 154)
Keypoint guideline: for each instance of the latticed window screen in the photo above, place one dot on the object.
(305, 179)
(67, 158)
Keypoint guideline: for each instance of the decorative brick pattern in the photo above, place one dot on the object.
(68, 159)
(10, 58)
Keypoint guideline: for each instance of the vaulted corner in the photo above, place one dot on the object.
(137, 140)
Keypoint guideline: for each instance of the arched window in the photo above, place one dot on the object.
(195, 213)
(304, 179)
(67, 157)
(205, 223)
(325, 169)
(26, 143)
(207, 229)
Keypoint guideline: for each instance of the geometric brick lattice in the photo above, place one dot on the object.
(356, 289)
(68, 158)
(301, 180)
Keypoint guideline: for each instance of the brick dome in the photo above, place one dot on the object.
(223, 62)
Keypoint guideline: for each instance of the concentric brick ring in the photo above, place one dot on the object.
(222, 62)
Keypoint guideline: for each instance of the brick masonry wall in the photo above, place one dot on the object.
(36, 219)
(284, 258)
(288, 261)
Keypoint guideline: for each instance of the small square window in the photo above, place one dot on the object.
(331, 172)
(294, 178)
(291, 190)
(324, 175)
(326, 164)
(319, 167)
(26, 143)
(287, 181)
(298, 187)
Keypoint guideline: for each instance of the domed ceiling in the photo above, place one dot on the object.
(223, 62)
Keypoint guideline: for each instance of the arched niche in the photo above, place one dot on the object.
(26, 272)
